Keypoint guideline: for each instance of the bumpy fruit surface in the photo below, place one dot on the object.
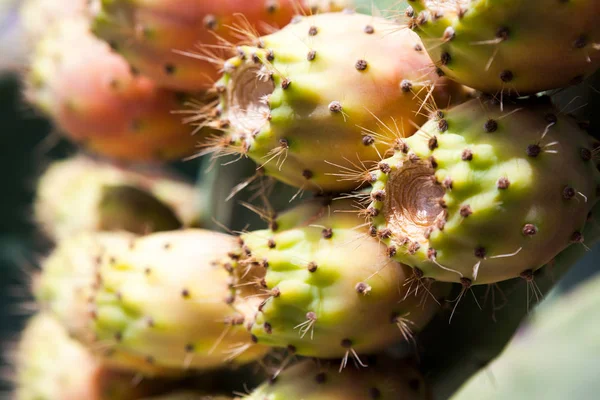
(481, 194)
(323, 94)
(83, 194)
(515, 47)
(385, 380)
(325, 288)
(96, 101)
(152, 35)
(66, 285)
(163, 298)
(49, 365)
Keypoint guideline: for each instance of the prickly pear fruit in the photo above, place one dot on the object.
(49, 365)
(525, 368)
(321, 280)
(309, 380)
(83, 194)
(515, 47)
(323, 94)
(96, 101)
(162, 299)
(483, 194)
(177, 44)
(36, 16)
(66, 286)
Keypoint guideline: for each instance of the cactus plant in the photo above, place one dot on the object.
(309, 380)
(179, 44)
(102, 105)
(82, 194)
(483, 193)
(516, 47)
(320, 281)
(322, 95)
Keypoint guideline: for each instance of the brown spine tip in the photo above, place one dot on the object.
(506, 76)
(534, 150)
(362, 288)
(185, 293)
(433, 143)
(313, 30)
(346, 343)
(491, 125)
(268, 328)
(307, 174)
(586, 154)
(385, 167)
(321, 377)
(447, 183)
(529, 230)
(466, 211)
(527, 275)
(442, 125)
(368, 140)
(406, 85)
(577, 237)
(271, 243)
(568, 192)
(369, 29)
(285, 83)
(327, 233)
(311, 55)
(361, 65)
(502, 33)
(335, 106)
(480, 252)
(466, 282)
(312, 266)
(378, 195)
(503, 183)
(467, 155)
(391, 251)
(445, 58)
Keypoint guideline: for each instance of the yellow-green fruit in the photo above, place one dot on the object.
(513, 47)
(66, 286)
(81, 194)
(325, 288)
(325, 93)
(487, 192)
(308, 380)
(164, 299)
(49, 365)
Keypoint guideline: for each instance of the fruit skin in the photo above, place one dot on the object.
(95, 100)
(516, 47)
(321, 280)
(163, 300)
(49, 365)
(322, 95)
(67, 283)
(152, 34)
(559, 344)
(481, 195)
(83, 194)
(309, 380)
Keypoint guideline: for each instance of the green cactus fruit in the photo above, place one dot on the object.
(554, 356)
(37, 15)
(179, 44)
(98, 102)
(516, 47)
(49, 365)
(321, 280)
(164, 299)
(485, 192)
(310, 380)
(82, 194)
(322, 94)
